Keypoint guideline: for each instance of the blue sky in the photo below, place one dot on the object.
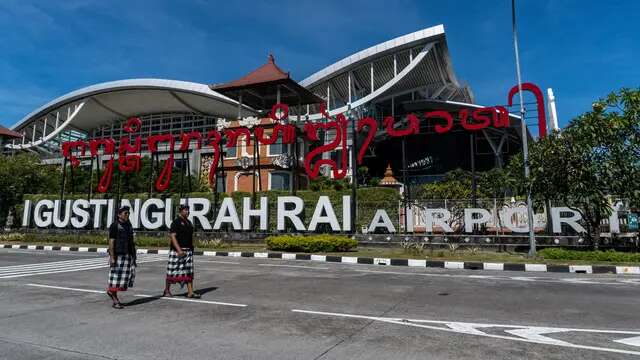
(582, 49)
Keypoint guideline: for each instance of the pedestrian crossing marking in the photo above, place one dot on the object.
(55, 267)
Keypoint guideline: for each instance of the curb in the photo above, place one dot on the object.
(468, 265)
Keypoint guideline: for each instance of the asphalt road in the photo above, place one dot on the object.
(53, 306)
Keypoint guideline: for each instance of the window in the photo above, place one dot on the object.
(279, 181)
(277, 148)
(232, 151)
(221, 182)
(336, 156)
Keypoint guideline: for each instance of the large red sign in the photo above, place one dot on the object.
(128, 154)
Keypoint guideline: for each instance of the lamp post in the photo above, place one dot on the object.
(523, 126)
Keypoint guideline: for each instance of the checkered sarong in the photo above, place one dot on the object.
(180, 269)
(122, 273)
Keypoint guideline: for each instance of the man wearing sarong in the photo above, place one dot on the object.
(180, 265)
(122, 256)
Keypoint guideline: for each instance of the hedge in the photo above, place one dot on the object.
(605, 256)
(312, 243)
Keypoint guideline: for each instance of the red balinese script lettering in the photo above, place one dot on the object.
(129, 153)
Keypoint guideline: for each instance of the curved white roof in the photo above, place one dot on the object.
(367, 55)
(100, 104)
(116, 95)
(418, 62)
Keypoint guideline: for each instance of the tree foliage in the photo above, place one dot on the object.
(596, 156)
(23, 174)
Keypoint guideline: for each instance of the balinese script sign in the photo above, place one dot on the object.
(154, 214)
(128, 158)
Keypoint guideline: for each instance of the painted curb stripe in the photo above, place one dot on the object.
(604, 269)
(586, 269)
(471, 265)
(535, 267)
(513, 267)
(399, 262)
(493, 266)
(417, 263)
(558, 268)
(628, 270)
(350, 259)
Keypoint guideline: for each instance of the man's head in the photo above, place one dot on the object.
(183, 210)
(123, 213)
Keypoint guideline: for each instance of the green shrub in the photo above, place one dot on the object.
(605, 256)
(312, 243)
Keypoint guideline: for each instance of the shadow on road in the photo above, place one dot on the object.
(141, 301)
(205, 290)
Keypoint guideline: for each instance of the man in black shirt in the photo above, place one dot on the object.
(180, 265)
(122, 256)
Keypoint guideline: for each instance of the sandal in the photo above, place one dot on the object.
(117, 306)
(194, 296)
(167, 293)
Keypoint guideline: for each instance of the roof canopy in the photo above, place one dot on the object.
(259, 89)
(6, 133)
(102, 104)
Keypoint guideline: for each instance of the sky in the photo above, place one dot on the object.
(583, 49)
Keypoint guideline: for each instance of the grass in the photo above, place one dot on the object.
(372, 252)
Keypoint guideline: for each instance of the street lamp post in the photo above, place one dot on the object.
(523, 125)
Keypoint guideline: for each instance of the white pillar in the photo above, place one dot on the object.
(553, 114)
(349, 87)
(371, 74)
(395, 65)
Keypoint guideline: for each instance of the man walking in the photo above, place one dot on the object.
(122, 256)
(180, 265)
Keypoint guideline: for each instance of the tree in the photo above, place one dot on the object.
(596, 156)
(24, 174)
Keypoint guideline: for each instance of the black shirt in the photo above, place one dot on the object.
(184, 232)
(122, 234)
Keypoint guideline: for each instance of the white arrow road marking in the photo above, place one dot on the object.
(535, 333)
(529, 334)
(633, 341)
(465, 328)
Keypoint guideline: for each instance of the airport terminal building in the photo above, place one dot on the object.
(409, 74)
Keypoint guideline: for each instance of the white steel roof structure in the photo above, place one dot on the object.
(416, 63)
(80, 111)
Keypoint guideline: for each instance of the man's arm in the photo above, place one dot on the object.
(174, 242)
(112, 254)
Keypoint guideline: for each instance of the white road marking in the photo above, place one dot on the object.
(47, 253)
(67, 288)
(55, 267)
(530, 334)
(536, 333)
(136, 295)
(191, 300)
(296, 266)
(576, 281)
(633, 341)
